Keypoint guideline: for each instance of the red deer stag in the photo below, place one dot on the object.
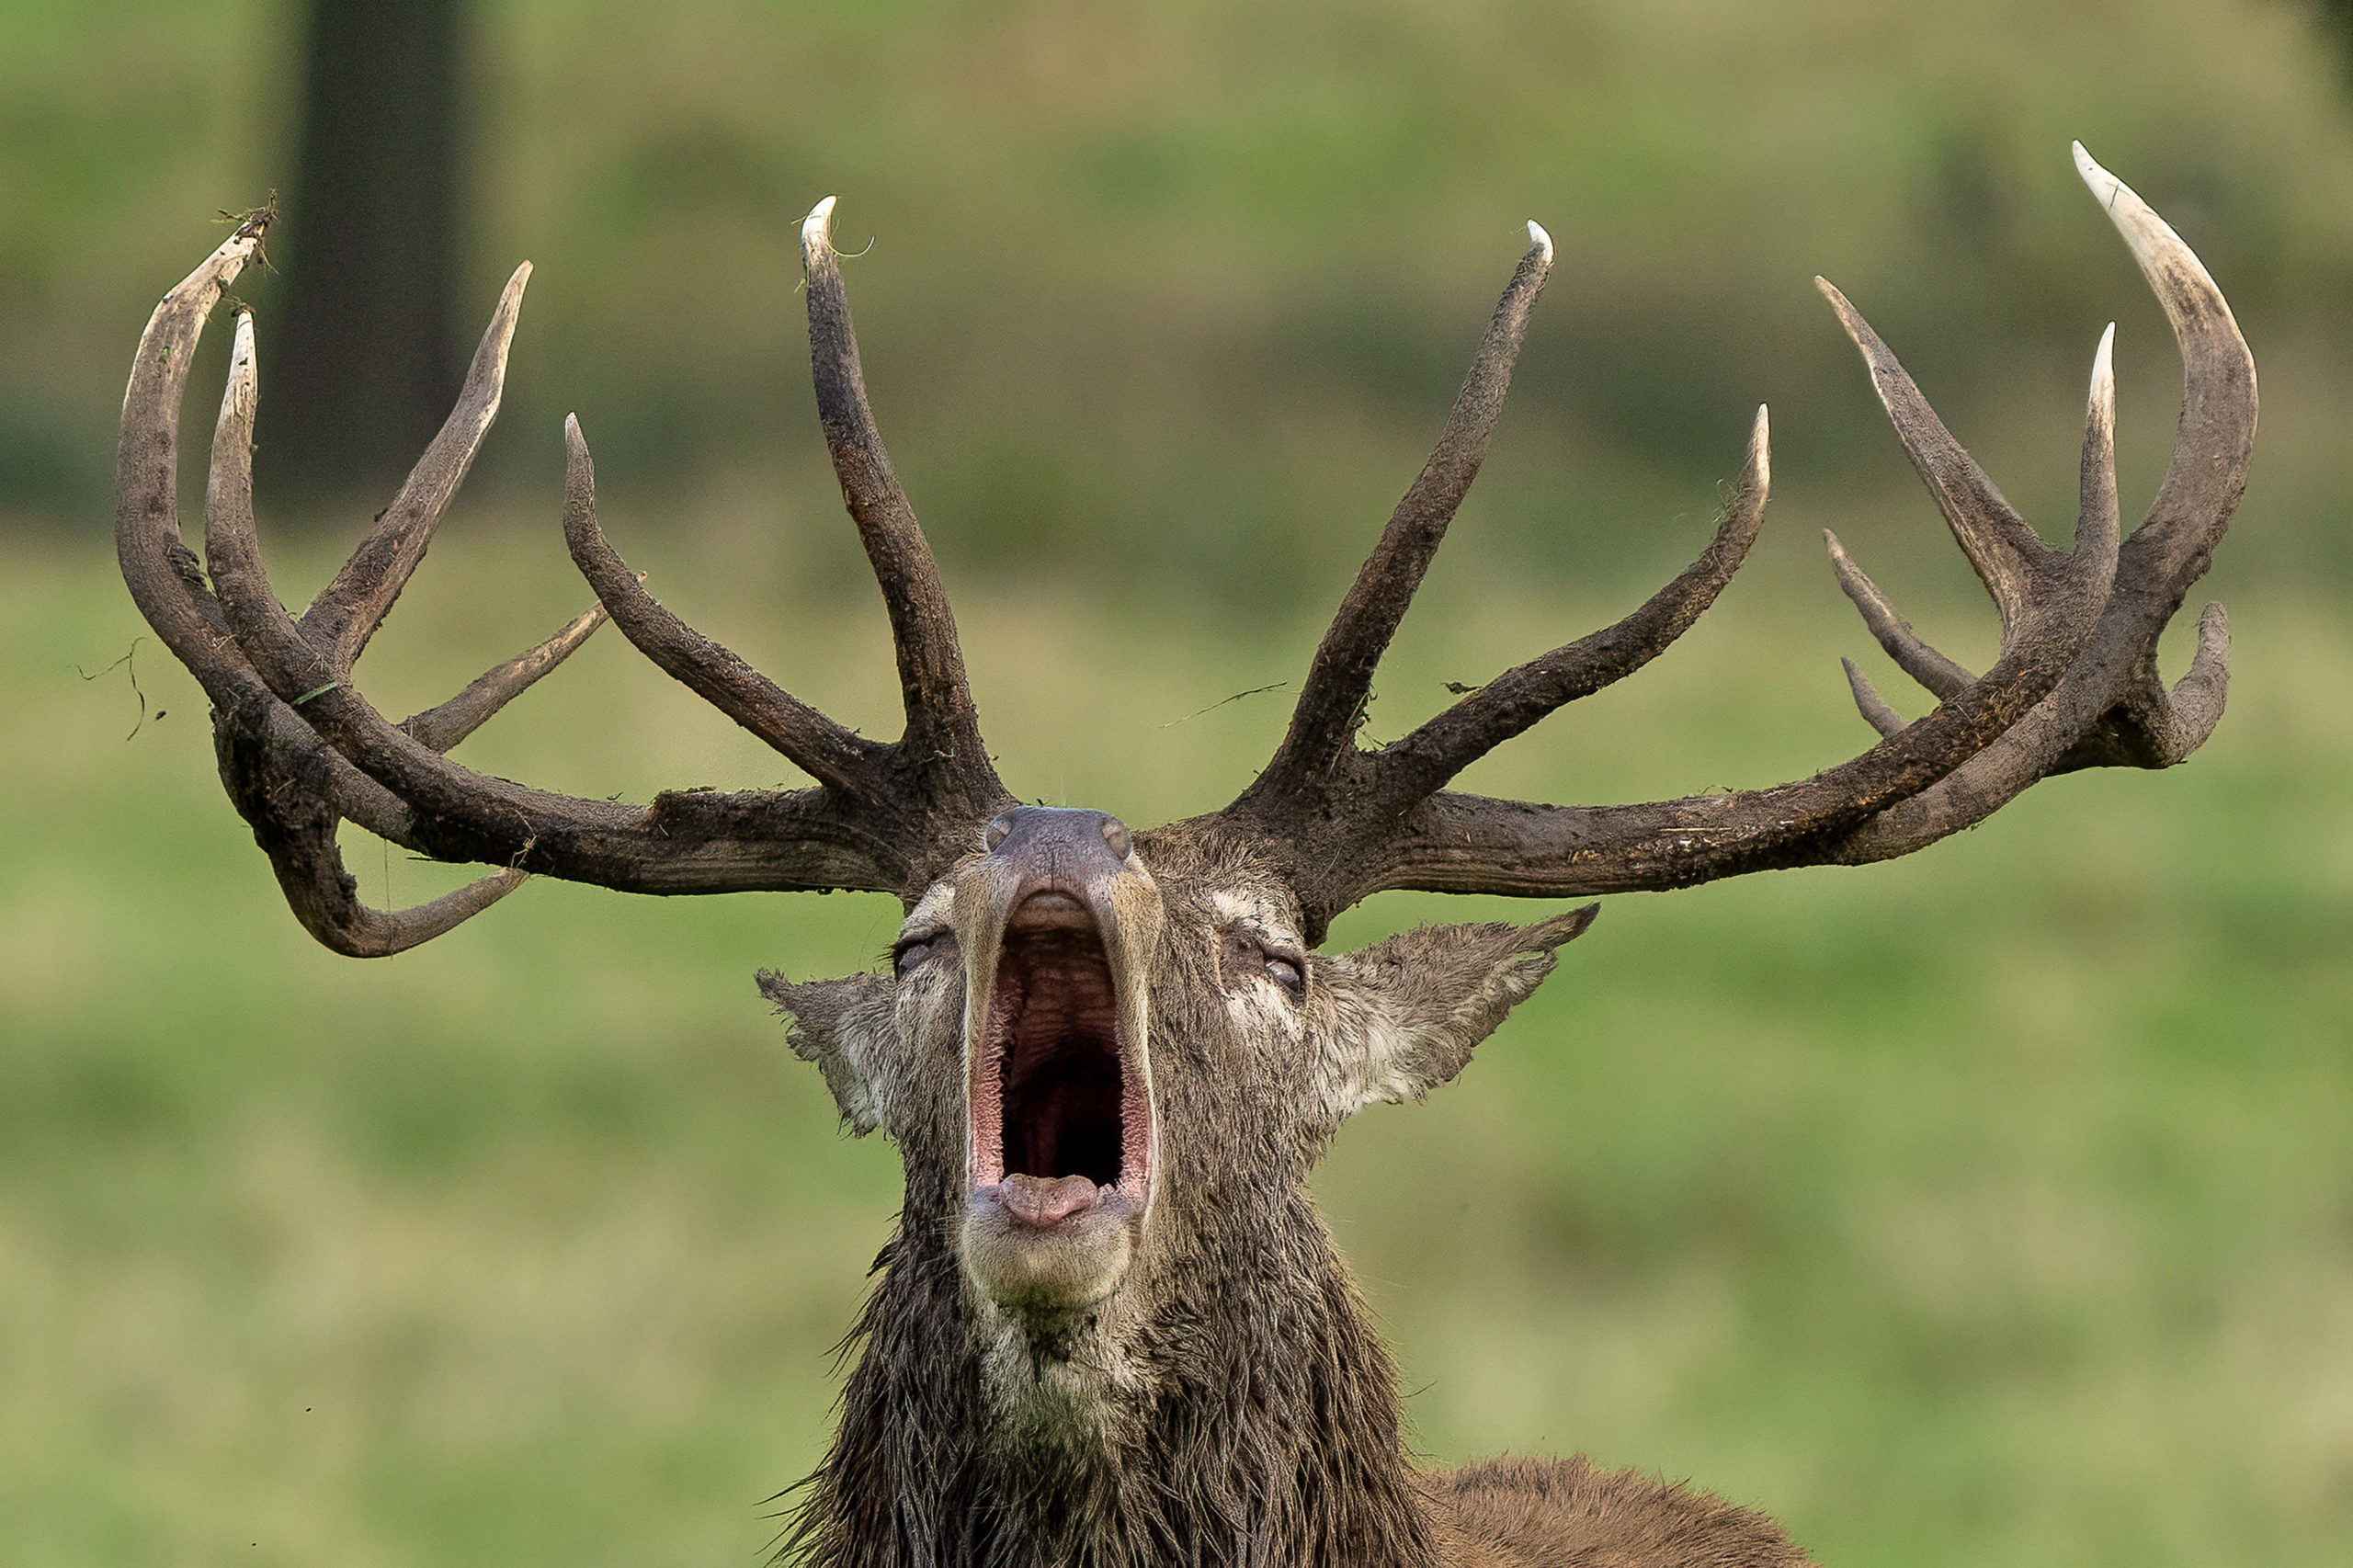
(1111, 1328)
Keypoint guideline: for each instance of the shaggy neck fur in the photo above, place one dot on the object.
(1254, 1421)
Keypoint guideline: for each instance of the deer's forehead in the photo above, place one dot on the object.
(1262, 913)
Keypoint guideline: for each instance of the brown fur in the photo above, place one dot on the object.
(1528, 1513)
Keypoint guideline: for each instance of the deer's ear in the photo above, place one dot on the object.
(840, 1025)
(1406, 1013)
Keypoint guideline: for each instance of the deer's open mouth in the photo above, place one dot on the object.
(1058, 1093)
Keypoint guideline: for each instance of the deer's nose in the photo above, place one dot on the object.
(1060, 840)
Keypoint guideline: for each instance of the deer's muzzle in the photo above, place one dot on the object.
(1057, 924)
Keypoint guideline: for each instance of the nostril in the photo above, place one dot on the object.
(1115, 836)
(993, 835)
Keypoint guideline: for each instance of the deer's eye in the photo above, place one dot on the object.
(1244, 956)
(912, 951)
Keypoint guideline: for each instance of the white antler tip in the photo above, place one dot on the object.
(1539, 240)
(2103, 185)
(2103, 393)
(818, 227)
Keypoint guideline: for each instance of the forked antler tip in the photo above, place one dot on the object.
(817, 229)
(1540, 243)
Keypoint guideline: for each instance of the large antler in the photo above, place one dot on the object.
(2075, 684)
(300, 750)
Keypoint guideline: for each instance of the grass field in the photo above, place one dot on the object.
(1993, 1206)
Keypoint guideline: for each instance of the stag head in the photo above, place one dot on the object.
(1111, 1057)
(1097, 1049)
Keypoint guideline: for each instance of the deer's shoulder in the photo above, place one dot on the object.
(1546, 1513)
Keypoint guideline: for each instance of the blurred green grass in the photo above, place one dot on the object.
(1988, 1206)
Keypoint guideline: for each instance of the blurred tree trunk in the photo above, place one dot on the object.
(2339, 15)
(367, 354)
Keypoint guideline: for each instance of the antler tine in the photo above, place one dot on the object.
(1331, 700)
(296, 828)
(2008, 555)
(943, 727)
(2207, 473)
(1915, 657)
(294, 820)
(1512, 703)
(349, 609)
(163, 576)
(837, 758)
(2096, 503)
(444, 724)
(1869, 702)
(2195, 704)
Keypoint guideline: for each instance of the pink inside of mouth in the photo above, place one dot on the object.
(1054, 1094)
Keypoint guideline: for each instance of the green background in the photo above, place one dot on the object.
(1993, 1205)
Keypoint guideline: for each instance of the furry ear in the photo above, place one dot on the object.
(837, 1023)
(1407, 1012)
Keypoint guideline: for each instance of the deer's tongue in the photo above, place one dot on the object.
(1043, 1201)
